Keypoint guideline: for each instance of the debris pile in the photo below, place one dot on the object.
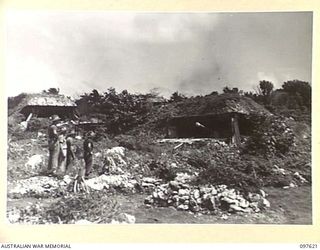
(124, 181)
(38, 186)
(27, 215)
(114, 159)
(149, 183)
(208, 198)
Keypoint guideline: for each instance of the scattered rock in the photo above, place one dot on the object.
(224, 217)
(235, 208)
(265, 202)
(174, 185)
(34, 186)
(13, 215)
(124, 218)
(117, 181)
(183, 192)
(183, 178)
(35, 162)
(263, 193)
(183, 207)
(205, 198)
(196, 193)
(299, 177)
(292, 185)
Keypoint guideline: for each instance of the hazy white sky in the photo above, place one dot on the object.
(193, 53)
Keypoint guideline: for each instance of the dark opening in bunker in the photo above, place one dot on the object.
(209, 126)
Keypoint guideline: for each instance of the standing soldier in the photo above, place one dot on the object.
(62, 163)
(53, 142)
(70, 153)
(87, 152)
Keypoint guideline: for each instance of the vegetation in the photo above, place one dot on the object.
(278, 148)
(135, 121)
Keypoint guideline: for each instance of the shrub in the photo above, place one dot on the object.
(238, 174)
(271, 137)
(162, 170)
(95, 206)
(38, 124)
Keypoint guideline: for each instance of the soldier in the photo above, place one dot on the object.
(53, 143)
(88, 152)
(79, 183)
(62, 158)
(70, 153)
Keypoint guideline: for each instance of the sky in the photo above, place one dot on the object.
(193, 53)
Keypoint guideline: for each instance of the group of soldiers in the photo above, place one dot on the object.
(61, 154)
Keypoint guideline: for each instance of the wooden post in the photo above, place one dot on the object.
(235, 130)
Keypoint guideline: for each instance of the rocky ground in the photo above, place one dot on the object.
(155, 185)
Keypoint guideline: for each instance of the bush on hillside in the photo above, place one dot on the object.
(271, 137)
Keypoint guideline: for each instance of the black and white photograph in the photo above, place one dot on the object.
(128, 117)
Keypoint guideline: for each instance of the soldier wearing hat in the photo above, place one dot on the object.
(53, 143)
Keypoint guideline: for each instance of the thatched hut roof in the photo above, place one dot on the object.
(50, 100)
(220, 104)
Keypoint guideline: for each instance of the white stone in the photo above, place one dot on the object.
(35, 161)
(124, 218)
(298, 176)
(183, 177)
(205, 190)
(229, 200)
(183, 207)
(224, 217)
(183, 192)
(244, 204)
(263, 193)
(214, 191)
(196, 194)
(150, 180)
(199, 201)
(235, 208)
(67, 179)
(147, 185)
(206, 196)
(185, 197)
(161, 195)
(173, 165)
(266, 203)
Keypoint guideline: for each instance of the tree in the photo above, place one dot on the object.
(226, 89)
(266, 87)
(176, 97)
(300, 90)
